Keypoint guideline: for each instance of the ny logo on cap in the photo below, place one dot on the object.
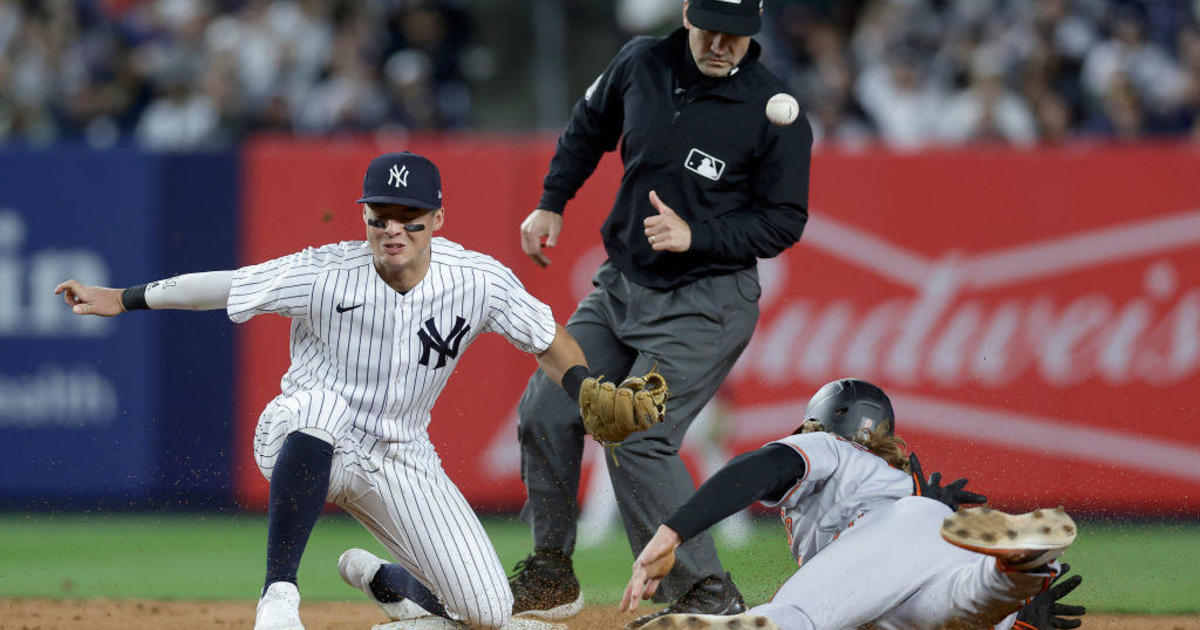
(398, 177)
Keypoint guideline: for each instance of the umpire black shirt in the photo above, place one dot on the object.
(703, 144)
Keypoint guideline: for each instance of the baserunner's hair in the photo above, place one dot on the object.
(892, 448)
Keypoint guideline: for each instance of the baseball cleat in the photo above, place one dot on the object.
(1020, 542)
(544, 586)
(279, 608)
(358, 567)
(744, 621)
(561, 611)
(708, 597)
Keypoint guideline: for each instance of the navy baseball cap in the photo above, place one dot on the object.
(404, 178)
(736, 17)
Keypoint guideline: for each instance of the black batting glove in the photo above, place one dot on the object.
(952, 494)
(1043, 612)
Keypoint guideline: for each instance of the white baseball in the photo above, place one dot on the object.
(782, 109)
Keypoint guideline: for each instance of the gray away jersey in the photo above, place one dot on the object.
(388, 354)
(842, 480)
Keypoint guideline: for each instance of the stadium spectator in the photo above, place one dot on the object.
(986, 110)
(904, 73)
(187, 74)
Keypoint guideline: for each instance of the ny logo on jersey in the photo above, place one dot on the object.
(398, 177)
(431, 339)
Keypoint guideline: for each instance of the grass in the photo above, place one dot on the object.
(1127, 567)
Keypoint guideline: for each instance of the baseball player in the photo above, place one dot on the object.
(710, 185)
(378, 326)
(869, 550)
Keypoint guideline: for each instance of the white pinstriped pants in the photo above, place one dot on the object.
(400, 493)
(893, 571)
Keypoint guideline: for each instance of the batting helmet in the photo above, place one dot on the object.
(850, 407)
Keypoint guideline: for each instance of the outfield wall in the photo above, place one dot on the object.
(130, 411)
(1035, 315)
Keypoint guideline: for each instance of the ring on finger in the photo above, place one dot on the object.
(652, 239)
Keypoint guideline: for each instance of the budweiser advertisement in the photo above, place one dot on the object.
(1034, 315)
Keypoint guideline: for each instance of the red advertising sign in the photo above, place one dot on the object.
(1035, 315)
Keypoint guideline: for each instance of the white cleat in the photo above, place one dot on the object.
(358, 567)
(525, 623)
(439, 623)
(279, 608)
(554, 613)
(687, 621)
(1020, 542)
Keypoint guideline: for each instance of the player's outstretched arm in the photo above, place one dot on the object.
(563, 354)
(610, 412)
(85, 300)
(767, 473)
(651, 566)
(194, 291)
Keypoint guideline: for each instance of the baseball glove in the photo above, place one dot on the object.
(612, 413)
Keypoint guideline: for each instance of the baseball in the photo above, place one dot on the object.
(782, 109)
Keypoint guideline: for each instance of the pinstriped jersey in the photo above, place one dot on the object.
(388, 354)
(842, 480)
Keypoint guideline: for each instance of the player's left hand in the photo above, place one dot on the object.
(651, 566)
(666, 231)
(952, 494)
(1043, 612)
(613, 412)
(83, 300)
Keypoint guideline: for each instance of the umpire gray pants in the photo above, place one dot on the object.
(695, 334)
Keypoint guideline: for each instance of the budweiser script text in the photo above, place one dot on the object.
(944, 337)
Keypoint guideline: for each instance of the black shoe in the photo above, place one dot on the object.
(710, 596)
(544, 585)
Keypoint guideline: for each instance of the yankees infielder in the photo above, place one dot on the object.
(869, 551)
(377, 328)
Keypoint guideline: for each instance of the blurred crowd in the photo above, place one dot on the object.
(181, 74)
(920, 73)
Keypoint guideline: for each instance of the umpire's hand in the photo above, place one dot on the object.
(666, 231)
(540, 230)
(83, 300)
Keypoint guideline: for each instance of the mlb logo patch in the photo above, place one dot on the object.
(704, 165)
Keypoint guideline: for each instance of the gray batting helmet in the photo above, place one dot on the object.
(850, 406)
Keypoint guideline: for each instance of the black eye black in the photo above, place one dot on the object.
(381, 224)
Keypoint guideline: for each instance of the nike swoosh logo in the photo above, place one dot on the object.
(343, 309)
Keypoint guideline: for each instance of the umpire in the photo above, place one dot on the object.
(709, 186)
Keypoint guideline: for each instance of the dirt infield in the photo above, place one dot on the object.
(133, 614)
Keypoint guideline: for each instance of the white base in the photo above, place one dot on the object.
(433, 622)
